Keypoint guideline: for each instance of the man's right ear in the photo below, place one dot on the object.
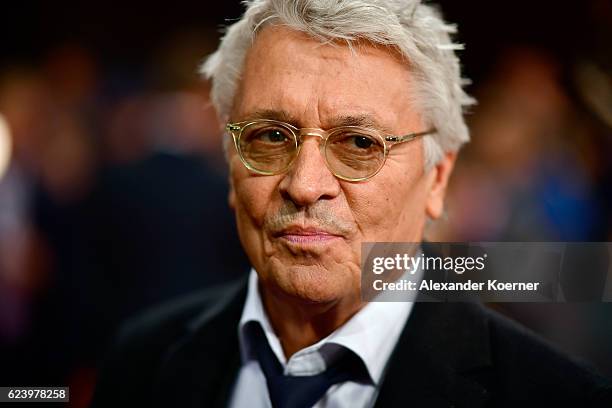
(231, 196)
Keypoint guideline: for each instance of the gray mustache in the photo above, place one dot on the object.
(316, 215)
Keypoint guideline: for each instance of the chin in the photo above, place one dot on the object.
(312, 283)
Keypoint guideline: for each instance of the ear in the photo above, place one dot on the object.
(438, 180)
(231, 196)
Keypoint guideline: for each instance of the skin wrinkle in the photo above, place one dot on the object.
(310, 290)
(365, 119)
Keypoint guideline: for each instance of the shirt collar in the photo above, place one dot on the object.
(371, 333)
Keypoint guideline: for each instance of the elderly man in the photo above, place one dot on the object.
(343, 121)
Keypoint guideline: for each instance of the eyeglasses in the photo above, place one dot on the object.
(352, 153)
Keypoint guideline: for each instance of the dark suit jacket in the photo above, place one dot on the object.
(186, 354)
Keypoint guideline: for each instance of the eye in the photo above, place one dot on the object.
(362, 142)
(354, 145)
(270, 135)
(356, 142)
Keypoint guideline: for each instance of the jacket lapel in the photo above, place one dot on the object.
(200, 368)
(438, 359)
(437, 362)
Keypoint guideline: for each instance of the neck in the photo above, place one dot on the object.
(299, 324)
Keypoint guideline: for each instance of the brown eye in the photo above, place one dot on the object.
(270, 135)
(356, 143)
(362, 142)
(275, 136)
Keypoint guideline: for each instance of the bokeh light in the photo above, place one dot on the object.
(5, 146)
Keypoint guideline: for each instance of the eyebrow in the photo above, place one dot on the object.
(363, 120)
(272, 114)
(360, 120)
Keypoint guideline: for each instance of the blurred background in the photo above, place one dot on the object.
(113, 184)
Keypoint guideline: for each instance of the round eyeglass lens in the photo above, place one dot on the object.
(354, 154)
(267, 147)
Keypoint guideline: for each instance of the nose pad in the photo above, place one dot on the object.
(303, 137)
(315, 133)
(311, 132)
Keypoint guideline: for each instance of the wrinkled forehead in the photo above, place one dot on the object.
(313, 82)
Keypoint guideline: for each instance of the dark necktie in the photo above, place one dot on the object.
(302, 391)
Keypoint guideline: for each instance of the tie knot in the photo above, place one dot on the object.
(342, 365)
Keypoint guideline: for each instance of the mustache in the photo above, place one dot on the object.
(317, 215)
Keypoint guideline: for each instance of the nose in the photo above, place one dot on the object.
(309, 180)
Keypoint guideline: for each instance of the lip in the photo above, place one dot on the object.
(306, 235)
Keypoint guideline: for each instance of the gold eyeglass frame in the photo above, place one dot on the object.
(388, 141)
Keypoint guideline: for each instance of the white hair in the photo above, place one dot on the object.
(415, 29)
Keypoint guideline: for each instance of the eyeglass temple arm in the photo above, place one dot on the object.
(406, 138)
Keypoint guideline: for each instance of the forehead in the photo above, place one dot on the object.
(314, 84)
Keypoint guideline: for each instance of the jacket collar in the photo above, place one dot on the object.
(442, 353)
(437, 362)
(371, 333)
(200, 368)
(438, 359)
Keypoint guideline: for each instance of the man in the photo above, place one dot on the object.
(345, 119)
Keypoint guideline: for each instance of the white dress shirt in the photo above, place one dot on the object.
(371, 333)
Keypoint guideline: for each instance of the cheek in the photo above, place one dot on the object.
(377, 211)
(253, 198)
(252, 194)
(391, 207)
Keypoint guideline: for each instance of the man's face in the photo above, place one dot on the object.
(303, 229)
